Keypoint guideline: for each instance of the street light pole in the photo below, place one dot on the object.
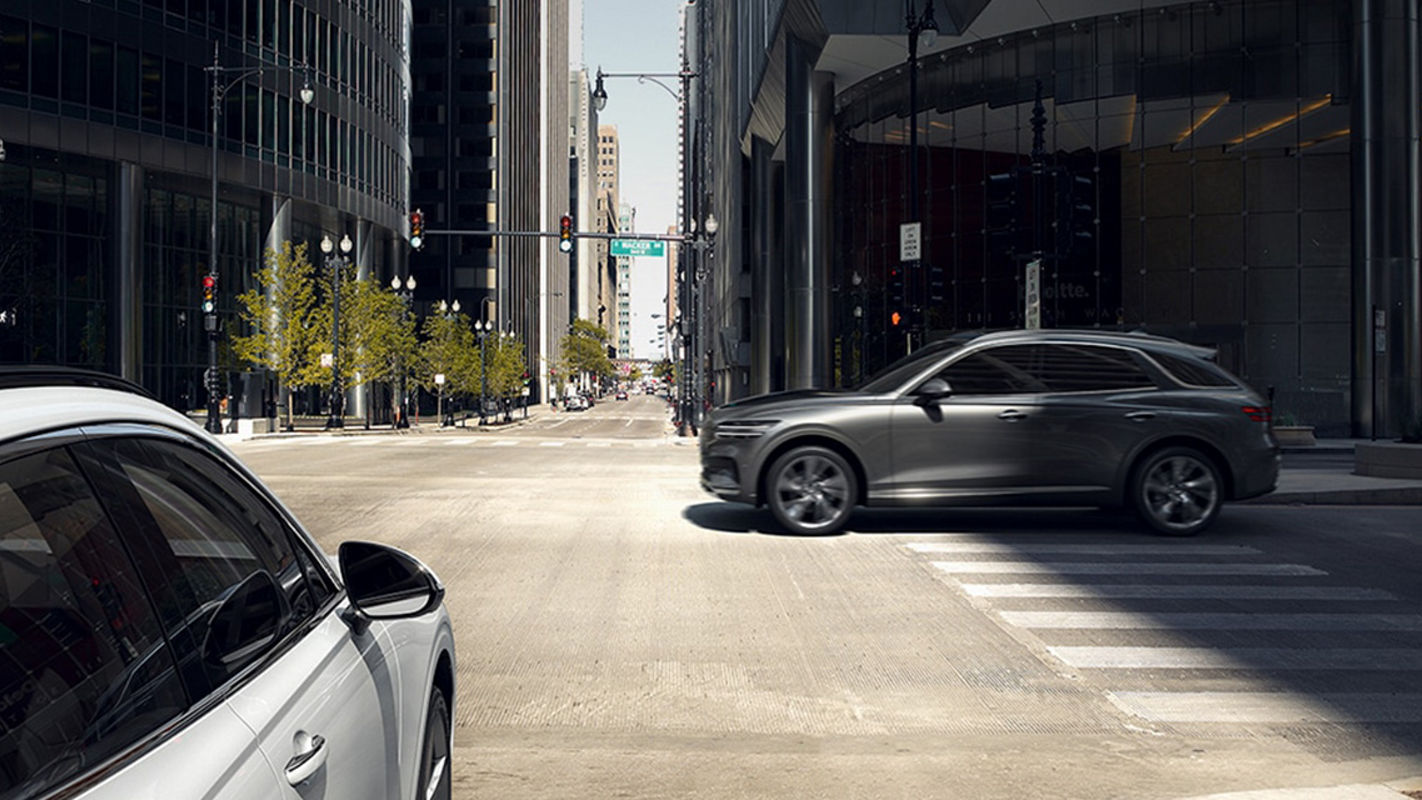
(922, 30)
(210, 318)
(336, 264)
(407, 296)
(483, 328)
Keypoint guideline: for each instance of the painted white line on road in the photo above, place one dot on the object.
(505, 443)
(1243, 658)
(1120, 568)
(1270, 707)
(599, 444)
(1125, 620)
(996, 548)
(1077, 591)
(551, 444)
(559, 422)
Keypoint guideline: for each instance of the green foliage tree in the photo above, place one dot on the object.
(664, 370)
(280, 314)
(506, 367)
(383, 345)
(585, 350)
(448, 349)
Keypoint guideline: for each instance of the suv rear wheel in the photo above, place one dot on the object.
(1177, 491)
(811, 490)
(435, 781)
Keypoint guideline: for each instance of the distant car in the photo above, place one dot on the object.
(621, 394)
(575, 402)
(166, 622)
(1016, 417)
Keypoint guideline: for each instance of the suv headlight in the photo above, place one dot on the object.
(744, 428)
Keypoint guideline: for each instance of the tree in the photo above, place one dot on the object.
(664, 370)
(279, 312)
(506, 367)
(449, 349)
(382, 342)
(585, 350)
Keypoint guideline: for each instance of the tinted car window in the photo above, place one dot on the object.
(227, 579)
(84, 669)
(1087, 368)
(996, 370)
(901, 371)
(1195, 372)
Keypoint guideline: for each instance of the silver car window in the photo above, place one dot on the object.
(84, 669)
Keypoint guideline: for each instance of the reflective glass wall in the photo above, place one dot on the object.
(1192, 176)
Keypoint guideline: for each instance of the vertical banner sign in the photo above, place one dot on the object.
(909, 237)
(1379, 330)
(1034, 294)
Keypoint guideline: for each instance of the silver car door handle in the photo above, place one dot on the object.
(303, 765)
(1012, 415)
(1140, 416)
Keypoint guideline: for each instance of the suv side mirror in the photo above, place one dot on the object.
(385, 583)
(932, 389)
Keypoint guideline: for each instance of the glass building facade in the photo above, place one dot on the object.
(105, 114)
(1242, 175)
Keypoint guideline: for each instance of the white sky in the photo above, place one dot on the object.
(640, 36)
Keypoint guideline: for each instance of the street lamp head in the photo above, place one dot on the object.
(599, 94)
(308, 92)
(395, 283)
(927, 28)
(410, 283)
(327, 245)
(456, 306)
(346, 244)
(443, 306)
(712, 225)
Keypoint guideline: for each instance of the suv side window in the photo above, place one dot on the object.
(996, 370)
(1088, 368)
(84, 668)
(227, 579)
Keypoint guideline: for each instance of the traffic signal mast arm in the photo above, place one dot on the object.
(645, 237)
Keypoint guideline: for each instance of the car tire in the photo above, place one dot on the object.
(436, 782)
(811, 490)
(1177, 491)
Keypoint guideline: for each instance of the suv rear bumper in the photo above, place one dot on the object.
(1259, 475)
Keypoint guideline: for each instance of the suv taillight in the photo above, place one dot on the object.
(1258, 413)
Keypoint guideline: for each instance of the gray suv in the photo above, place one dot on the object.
(1009, 418)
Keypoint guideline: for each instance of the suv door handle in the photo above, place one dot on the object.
(1140, 416)
(304, 764)
(1012, 415)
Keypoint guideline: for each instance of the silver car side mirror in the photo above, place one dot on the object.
(932, 389)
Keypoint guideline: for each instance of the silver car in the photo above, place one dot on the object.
(1007, 418)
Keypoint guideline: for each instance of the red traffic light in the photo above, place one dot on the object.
(565, 233)
(208, 282)
(895, 318)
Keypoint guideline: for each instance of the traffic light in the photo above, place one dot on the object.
(417, 229)
(895, 318)
(1001, 223)
(1076, 213)
(209, 294)
(565, 234)
(896, 284)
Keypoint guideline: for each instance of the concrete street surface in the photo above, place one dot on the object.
(622, 634)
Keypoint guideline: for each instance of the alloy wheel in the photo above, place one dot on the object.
(1179, 492)
(813, 491)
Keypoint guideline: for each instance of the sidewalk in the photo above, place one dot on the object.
(1389, 790)
(314, 426)
(1323, 475)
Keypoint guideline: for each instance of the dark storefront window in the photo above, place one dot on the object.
(14, 54)
(44, 61)
(1193, 178)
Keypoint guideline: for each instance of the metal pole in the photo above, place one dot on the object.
(483, 375)
(336, 419)
(214, 409)
(686, 266)
(911, 287)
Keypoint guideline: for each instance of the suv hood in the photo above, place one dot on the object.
(789, 398)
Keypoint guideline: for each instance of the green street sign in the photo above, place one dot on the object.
(639, 247)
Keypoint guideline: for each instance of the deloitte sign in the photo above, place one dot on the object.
(638, 247)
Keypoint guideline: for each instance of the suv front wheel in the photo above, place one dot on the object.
(811, 490)
(1177, 491)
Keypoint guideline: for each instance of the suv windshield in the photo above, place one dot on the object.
(894, 375)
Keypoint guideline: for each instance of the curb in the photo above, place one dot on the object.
(1388, 790)
(1398, 496)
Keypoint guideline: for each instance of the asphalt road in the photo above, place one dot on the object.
(622, 634)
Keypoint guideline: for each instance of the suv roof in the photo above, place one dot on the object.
(38, 399)
(1132, 338)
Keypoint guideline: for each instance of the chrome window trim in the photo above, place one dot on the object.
(77, 434)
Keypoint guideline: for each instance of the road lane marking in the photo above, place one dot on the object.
(1077, 591)
(599, 444)
(1241, 658)
(996, 548)
(1270, 707)
(551, 444)
(506, 443)
(1125, 620)
(1119, 568)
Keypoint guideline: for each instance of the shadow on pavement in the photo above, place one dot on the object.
(738, 518)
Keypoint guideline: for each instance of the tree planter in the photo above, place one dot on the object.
(1295, 435)
(1388, 460)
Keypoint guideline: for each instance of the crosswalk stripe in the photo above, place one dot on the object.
(1078, 591)
(551, 444)
(505, 443)
(997, 548)
(1119, 568)
(1125, 620)
(1246, 658)
(1270, 707)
